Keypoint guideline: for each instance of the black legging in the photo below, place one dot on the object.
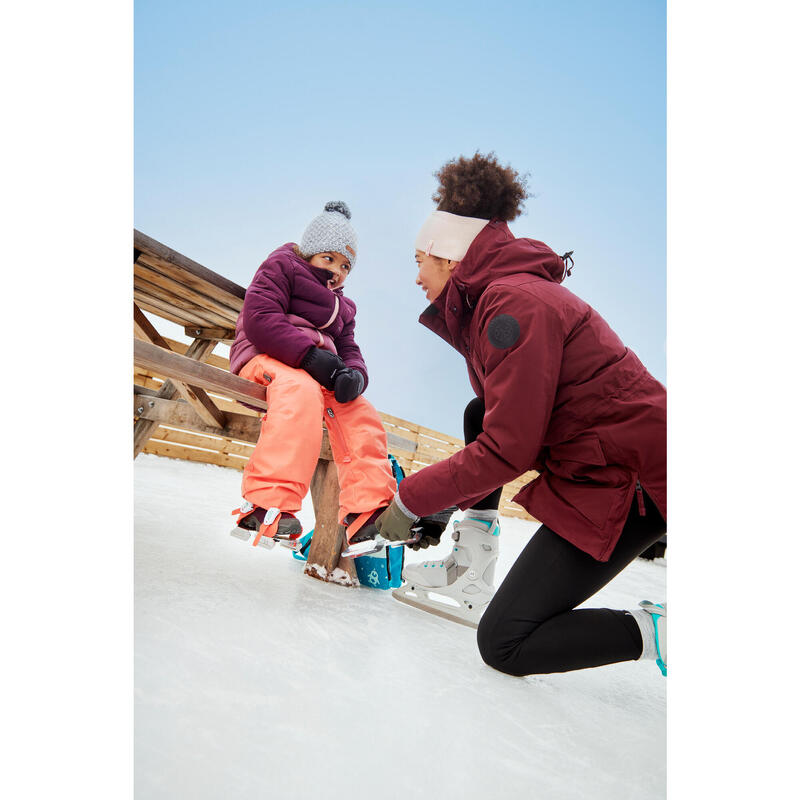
(473, 425)
(530, 626)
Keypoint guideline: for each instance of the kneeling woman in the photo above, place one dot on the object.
(558, 392)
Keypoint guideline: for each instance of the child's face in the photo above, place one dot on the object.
(433, 273)
(335, 263)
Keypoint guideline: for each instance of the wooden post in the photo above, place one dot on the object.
(324, 560)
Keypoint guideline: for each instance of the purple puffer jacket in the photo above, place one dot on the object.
(286, 285)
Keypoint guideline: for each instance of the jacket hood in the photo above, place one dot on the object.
(494, 254)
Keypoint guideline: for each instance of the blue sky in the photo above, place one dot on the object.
(249, 116)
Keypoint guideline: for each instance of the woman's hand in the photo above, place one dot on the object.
(431, 529)
(394, 524)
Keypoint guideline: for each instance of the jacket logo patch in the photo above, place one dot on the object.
(503, 331)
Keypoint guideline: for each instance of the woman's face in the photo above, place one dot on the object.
(335, 263)
(433, 273)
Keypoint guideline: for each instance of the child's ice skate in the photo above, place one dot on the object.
(266, 527)
(363, 538)
(362, 535)
(460, 586)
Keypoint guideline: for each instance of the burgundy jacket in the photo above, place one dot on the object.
(286, 285)
(563, 396)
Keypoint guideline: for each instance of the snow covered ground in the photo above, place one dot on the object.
(253, 680)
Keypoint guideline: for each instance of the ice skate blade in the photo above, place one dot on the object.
(245, 536)
(405, 542)
(292, 544)
(439, 609)
(365, 548)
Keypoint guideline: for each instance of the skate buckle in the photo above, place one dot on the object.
(269, 526)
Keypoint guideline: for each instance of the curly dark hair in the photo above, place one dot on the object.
(481, 187)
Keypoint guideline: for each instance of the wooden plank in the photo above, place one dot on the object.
(202, 404)
(166, 363)
(202, 289)
(169, 450)
(160, 309)
(177, 413)
(195, 396)
(145, 293)
(396, 442)
(400, 423)
(145, 330)
(151, 382)
(203, 441)
(142, 428)
(165, 254)
(146, 275)
(324, 560)
(226, 335)
(213, 358)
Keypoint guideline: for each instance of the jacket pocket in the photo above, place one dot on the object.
(584, 450)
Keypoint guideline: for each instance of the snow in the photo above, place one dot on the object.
(254, 680)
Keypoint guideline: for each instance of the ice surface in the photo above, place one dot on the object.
(253, 680)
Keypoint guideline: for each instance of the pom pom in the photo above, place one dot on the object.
(338, 205)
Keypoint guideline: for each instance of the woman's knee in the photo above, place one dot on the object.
(498, 650)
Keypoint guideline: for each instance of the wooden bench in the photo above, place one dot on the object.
(207, 305)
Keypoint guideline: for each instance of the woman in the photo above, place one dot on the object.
(558, 392)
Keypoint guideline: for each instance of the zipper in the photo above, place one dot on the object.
(640, 498)
(346, 458)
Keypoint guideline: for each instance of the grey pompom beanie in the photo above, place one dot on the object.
(331, 231)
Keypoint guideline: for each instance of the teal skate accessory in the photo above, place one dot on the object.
(381, 570)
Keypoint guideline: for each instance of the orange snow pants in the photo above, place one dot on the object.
(279, 472)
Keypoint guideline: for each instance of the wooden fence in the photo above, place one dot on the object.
(174, 442)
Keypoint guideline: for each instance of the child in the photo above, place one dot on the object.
(295, 336)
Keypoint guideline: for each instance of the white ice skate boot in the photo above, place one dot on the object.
(652, 622)
(460, 586)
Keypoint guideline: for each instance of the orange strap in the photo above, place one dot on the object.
(354, 527)
(267, 530)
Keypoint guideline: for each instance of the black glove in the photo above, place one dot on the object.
(432, 527)
(348, 384)
(322, 366)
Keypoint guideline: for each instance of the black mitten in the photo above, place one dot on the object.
(432, 527)
(348, 384)
(322, 366)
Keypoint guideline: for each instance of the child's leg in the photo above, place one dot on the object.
(358, 442)
(279, 471)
